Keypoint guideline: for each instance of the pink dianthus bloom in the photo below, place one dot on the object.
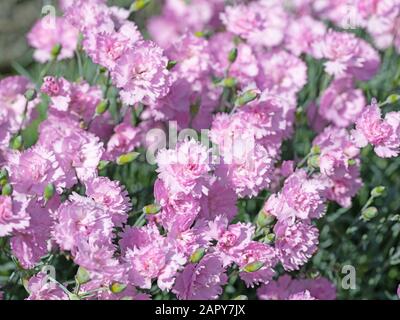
(47, 33)
(383, 134)
(141, 74)
(202, 281)
(40, 287)
(185, 168)
(341, 103)
(13, 214)
(295, 243)
(112, 195)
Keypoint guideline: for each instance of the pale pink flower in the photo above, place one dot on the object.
(40, 287)
(304, 295)
(383, 134)
(295, 243)
(13, 214)
(49, 32)
(124, 139)
(341, 103)
(202, 281)
(59, 89)
(112, 195)
(141, 74)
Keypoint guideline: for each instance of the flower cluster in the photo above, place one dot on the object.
(235, 73)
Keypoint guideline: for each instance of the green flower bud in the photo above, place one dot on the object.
(171, 64)
(16, 142)
(393, 98)
(30, 94)
(232, 56)
(313, 161)
(247, 97)
(197, 255)
(229, 82)
(49, 191)
(377, 191)
(151, 209)
(264, 219)
(316, 149)
(55, 51)
(369, 213)
(117, 287)
(194, 109)
(102, 164)
(269, 238)
(7, 190)
(127, 158)
(241, 297)
(352, 162)
(102, 107)
(253, 267)
(139, 5)
(82, 276)
(3, 176)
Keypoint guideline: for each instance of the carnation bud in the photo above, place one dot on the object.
(241, 297)
(127, 158)
(352, 162)
(393, 98)
(151, 209)
(117, 287)
(7, 190)
(232, 56)
(82, 276)
(253, 267)
(265, 219)
(55, 51)
(315, 149)
(313, 161)
(102, 107)
(139, 5)
(377, 191)
(3, 177)
(49, 191)
(200, 34)
(102, 164)
(247, 97)
(269, 238)
(197, 255)
(16, 142)
(369, 213)
(229, 82)
(30, 94)
(171, 64)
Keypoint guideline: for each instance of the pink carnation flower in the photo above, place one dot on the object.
(112, 195)
(257, 252)
(33, 169)
(300, 197)
(41, 288)
(47, 33)
(124, 139)
(141, 74)
(31, 244)
(347, 54)
(149, 256)
(202, 281)
(341, 103)
(285, 287)
(295, 243)
(383, 134)
(13, 215)
(185, 168)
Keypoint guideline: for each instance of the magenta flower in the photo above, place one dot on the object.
(41, 288)
(13, 215)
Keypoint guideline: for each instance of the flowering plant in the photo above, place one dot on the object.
(209, 150)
